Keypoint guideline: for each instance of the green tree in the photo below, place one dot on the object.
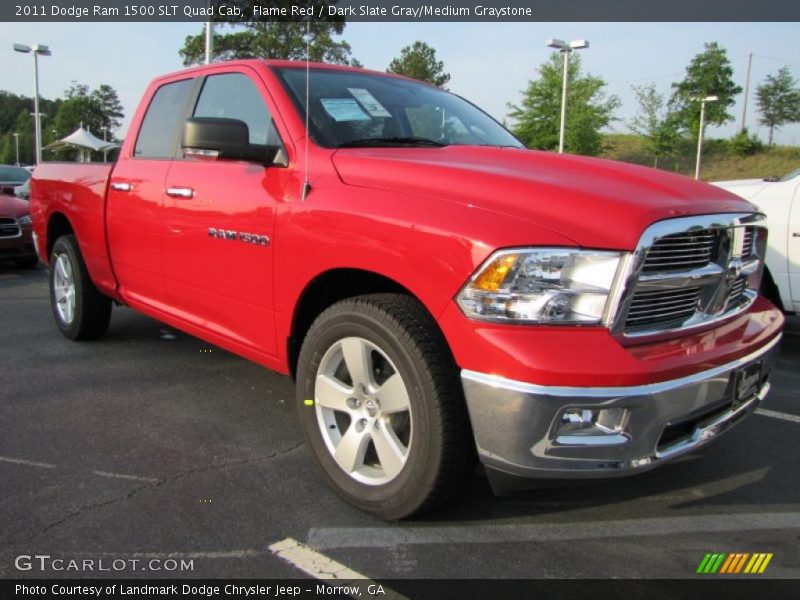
(778, 101)
(537, 117)
(418, 61)
(744, 144)
(655, 124)
(110, 104)
(709, 74)
(81, 108)
(275, 38)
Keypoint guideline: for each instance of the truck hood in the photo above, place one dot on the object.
(597, 203)
(13, 207)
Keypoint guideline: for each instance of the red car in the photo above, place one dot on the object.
(439, 292)
(16, 233)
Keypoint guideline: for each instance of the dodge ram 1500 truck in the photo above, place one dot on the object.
(439, 293)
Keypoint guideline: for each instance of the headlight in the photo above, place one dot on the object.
(541, 285)
(26, 220)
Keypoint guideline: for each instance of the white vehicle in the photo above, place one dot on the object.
(779, 199)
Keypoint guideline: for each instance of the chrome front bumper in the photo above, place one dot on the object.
(519, 427)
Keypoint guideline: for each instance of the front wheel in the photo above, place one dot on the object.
(382, 407)
(80, 310)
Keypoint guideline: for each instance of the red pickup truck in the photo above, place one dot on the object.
(439, 293)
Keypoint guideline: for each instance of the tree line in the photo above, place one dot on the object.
(99, 110)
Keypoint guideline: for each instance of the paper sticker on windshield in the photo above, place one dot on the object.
(369, 102)
(344, 109)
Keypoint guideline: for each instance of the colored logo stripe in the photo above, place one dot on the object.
(735, 562)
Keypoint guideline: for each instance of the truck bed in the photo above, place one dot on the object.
(77, 190)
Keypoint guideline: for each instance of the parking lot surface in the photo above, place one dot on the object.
(151, 444)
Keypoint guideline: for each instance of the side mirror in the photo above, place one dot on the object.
(218, 138)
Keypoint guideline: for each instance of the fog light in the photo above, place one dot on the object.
(592, 426)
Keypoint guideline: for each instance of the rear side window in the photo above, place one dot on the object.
(162, 121)
(235, 96)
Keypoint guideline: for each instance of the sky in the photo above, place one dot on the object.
(489, 63)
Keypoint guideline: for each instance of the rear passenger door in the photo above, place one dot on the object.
(134, 219)
(219, 250)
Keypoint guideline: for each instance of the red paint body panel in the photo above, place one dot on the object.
(424, 218)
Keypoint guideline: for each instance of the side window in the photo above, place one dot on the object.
(162, 121)
(235, 96)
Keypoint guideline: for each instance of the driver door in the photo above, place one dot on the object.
(220, 217)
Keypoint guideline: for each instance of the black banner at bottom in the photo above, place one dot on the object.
(729, 588)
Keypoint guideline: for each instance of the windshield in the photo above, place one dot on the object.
(363, 109)
(791, 175)
(10, 174)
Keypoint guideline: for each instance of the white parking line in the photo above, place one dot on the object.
(778, 415)
(29, 463)
(311, 562)
(122, 476)
(41, 465)
(383, 537)
(334, 573)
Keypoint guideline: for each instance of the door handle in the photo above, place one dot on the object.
(796, 234)
(180, 192)
(122, 186)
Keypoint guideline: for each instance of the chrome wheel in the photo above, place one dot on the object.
(64, 289)
(363, 411)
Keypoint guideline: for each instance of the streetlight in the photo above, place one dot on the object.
(16, 145)
(105, 151)
(37, 50)
(702, 128)
(565, 49)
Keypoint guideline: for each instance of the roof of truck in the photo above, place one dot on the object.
(280, 63)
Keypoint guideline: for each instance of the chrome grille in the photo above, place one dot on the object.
(679, 251)
(749, 238)
(9, 228)
(691, 271)
(737, 291)
(659, 307)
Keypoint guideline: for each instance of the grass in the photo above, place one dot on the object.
(719, 163)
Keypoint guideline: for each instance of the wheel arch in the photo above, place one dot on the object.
(57, 225)
(326, 289)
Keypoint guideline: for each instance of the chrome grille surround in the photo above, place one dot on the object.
(706, 268)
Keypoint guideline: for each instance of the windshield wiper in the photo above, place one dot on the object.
(391, 141)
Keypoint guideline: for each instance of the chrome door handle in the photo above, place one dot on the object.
(180, 192)
(122, 186)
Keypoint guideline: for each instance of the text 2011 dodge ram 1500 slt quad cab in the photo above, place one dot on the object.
(439, 292)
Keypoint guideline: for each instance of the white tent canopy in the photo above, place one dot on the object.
(82, 139)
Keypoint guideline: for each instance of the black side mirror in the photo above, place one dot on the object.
(219, 138)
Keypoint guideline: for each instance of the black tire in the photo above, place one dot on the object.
(92, 311)
(27, 263)
(441, 455)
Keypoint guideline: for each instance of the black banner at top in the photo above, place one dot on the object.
(401, 10)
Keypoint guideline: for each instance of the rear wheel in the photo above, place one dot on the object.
(80, 310)
(381, 406)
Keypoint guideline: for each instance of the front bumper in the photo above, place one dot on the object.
(519, 427)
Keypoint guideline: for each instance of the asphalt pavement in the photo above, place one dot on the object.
(151, 444)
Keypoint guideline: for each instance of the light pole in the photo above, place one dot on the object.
(702, 128)
(565, 49)
(209, 49)
(37, 50)
(105, 152)
(16, 146)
